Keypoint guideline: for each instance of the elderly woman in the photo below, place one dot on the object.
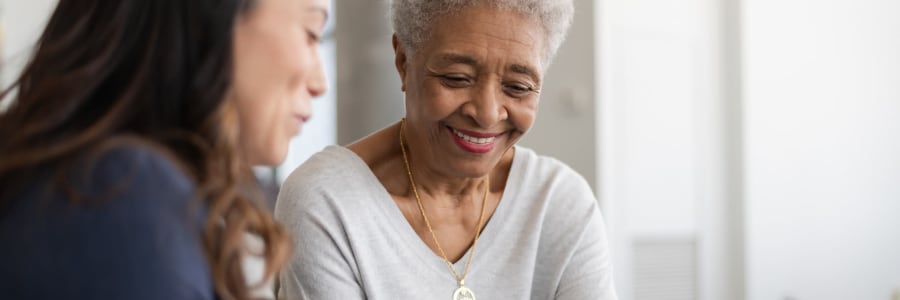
(443, 204)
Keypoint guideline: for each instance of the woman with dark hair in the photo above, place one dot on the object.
(127, 142)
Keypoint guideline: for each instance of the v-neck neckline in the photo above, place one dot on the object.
(411, 239)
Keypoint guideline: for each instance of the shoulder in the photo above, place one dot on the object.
(138, 183)
(130, 175)
(570, 211)
(563, 196)
(136, 160)
(134, 192)
(151, 219)
(549, 174)
(331, 178)
(333, 166)
(133, 211)
(129, 186)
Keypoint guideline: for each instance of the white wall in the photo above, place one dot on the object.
(566, 122)
(653, 88)
(370, 96)
(658, 64)
(22, 23)
(822, 125)
(767, 130)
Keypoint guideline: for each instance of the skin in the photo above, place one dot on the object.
(277, 72)
(479, 72)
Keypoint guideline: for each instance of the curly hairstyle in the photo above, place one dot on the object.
(153, 73)
(411, 18)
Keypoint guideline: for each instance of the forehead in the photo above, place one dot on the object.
(319, 4)
(312, 6)
(486, 34)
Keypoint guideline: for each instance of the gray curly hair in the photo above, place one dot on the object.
(411, 18)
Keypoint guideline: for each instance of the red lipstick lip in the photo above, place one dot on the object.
(476, 134)
(472, 147)
(301, 120)
(301, 117)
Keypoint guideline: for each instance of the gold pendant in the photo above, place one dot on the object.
(463, 293)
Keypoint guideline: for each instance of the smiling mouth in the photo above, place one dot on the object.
(472, 139)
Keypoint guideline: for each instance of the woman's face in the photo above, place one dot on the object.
(472, 88)
(277, 71)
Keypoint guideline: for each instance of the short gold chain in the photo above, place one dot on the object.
(412, 182)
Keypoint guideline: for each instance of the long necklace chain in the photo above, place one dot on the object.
(412, 182)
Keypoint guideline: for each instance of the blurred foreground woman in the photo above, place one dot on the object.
(125, 153)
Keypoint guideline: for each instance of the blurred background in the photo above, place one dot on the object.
(739, 149)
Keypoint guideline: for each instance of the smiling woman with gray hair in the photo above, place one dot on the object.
(443, 204)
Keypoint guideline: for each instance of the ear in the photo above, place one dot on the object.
(400, 61)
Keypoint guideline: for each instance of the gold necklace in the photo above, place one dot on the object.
(461, 293)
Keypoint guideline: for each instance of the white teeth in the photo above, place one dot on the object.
(472, 139)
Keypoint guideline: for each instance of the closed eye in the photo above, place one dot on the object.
(313, 37)
(518, 90)
(455, 81)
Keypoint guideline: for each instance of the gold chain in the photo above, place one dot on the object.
(412, 182)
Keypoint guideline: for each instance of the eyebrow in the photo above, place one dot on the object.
(523, 69)
(451, 58)
(458, 59)
(321, 10)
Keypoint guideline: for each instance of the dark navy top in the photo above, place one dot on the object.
(137, 235)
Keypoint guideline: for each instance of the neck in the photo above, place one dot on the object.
(457, 191)
(433, 184)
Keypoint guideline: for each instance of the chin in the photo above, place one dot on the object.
(474, 169)
(277, 159)
(269, 159)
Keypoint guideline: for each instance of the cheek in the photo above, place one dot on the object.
(269, 64)
(523, 114)
(440, 101)
(264, 129)
(417, 97)
(294, 65)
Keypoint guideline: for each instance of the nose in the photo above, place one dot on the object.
(486, 105)
(318, 83)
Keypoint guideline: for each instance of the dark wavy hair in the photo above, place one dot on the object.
(153, 71)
